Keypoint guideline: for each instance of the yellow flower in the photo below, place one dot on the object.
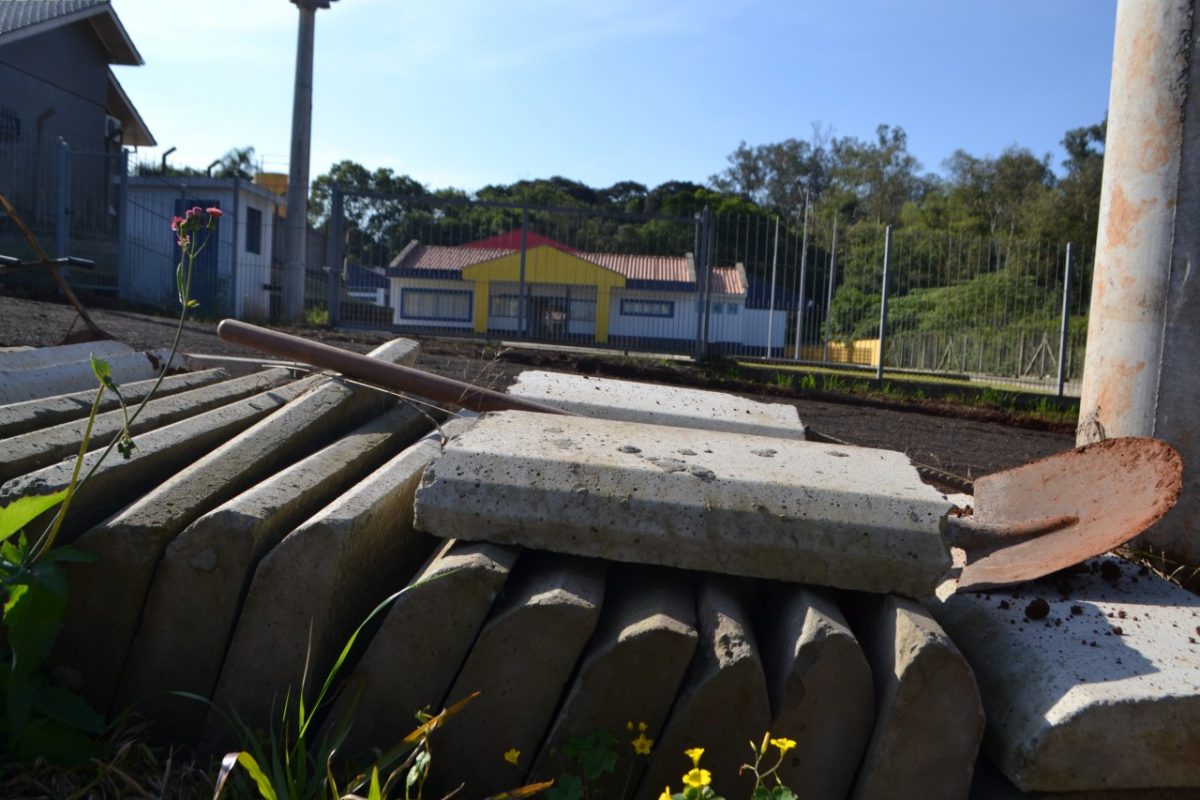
(694, 754)
(783, 744)
(666, 795)
(512, 756)
(629, 725)
(641, 727)
(642, 744)
(698, 778)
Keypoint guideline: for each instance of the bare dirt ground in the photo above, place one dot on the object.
(963, 441)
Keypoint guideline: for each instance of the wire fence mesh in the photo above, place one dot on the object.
(782, 289)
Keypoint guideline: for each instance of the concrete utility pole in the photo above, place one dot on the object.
(297, 194)
(1140, 376)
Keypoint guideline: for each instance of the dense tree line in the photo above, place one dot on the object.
(1003, 204)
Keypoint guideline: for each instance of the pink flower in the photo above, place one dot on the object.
(176, 222)
(214, 212)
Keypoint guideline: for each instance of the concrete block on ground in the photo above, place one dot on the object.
(631, 671)
(160, 454)
(1090, 680)
(520, 663)
(105, 604)
(17, 385)
(424, 638)
(323, 578)
(198, 585)
(928, 716)
(40, 448)
(990, 784)
(723, 703)
(820, 688)
(31, 415)
(655, 404)
(41, 357)
(797, 511)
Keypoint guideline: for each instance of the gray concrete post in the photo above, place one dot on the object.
(522, 302)
(335, 256)
(124, 267)
(62, 215)
(800, 301)
(1064, 328)
(883, 301)
(297, 193)
(1140, 376)
(829, 292)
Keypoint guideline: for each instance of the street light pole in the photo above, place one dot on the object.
(297, 194)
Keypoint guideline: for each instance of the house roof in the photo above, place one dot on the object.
(436, 260)
(728, 280)
(20, 19)
(133, 128)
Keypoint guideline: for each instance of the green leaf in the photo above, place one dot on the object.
(375, 793)
(57, 743)
(102, 370)
(67, 707)
(247, 762)
(567, 787)
(20, 512)
(193, 303)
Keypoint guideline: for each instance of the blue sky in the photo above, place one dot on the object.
(470, 92)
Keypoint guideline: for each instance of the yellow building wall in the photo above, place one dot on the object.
(543, 264)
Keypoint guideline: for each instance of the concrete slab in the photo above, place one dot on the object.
(654, 404)
(1091, 680)
(321, 581)
(520, 663)
(723, 703)
(820, 687)
(420, 647)
(801, 512)
(631, 671)
(108, 594)
(18, 385)
(928, 717)
(198, 586)
(31, 415)
(40, 448)
(40, 357)
(160, 453)
(990, 784)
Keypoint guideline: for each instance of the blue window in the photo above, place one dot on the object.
(254, 229)
(504, 305)
(647, 308)
(436, 304)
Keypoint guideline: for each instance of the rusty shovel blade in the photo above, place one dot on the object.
(1060, 511)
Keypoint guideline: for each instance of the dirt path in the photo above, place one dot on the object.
(962, 446)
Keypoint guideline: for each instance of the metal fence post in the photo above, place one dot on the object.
(800, 304)
(771, 305)
(334, 256)
(62, 215)
(829, 292)
(883, 302)
(1064, 329)
(704, 277)
(124, 268)
(522, 305)
(697, 255)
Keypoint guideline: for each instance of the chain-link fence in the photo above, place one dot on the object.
(786, 290)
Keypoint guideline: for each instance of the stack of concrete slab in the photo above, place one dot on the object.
(665, 570)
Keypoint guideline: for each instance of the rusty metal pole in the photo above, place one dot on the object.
(1140, 376)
